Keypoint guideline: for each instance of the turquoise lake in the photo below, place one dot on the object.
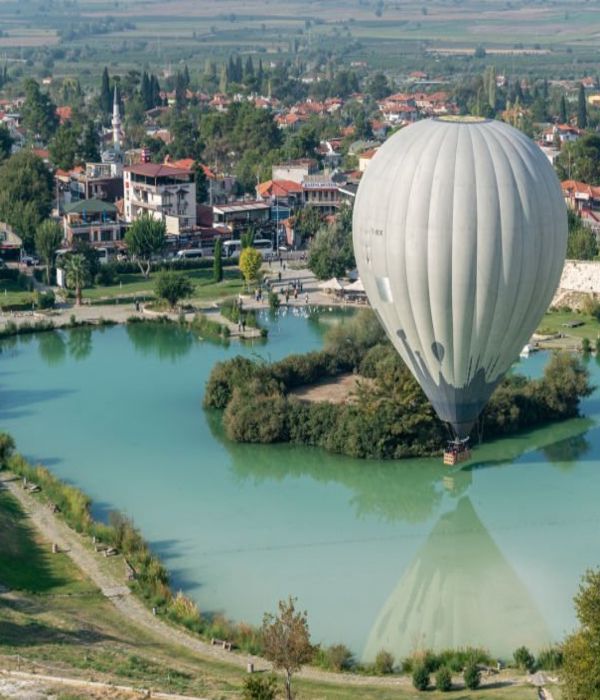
(393, 555)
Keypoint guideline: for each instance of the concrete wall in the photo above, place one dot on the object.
(580, 276)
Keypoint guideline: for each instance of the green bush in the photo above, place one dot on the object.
(274, 301)
(338, 657)
(472, 677)
(258, 687)
(524, 659)
(550, 659)
(384, 663)
(45, 300)
(443, 679)
(7, 447)
(586, 346)
(420, 678)
(106, 276)
(457, 659)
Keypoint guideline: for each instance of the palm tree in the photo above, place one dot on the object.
(77, 274)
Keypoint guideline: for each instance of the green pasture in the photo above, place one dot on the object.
(554, 322)
(205, 289)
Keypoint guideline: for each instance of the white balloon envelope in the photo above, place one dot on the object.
(460, 234)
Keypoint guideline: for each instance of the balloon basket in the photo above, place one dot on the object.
(456, 452)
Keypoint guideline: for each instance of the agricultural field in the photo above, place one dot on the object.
(73, 37)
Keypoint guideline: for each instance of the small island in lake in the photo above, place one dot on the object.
(357, 397)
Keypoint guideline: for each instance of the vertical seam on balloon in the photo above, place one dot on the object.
(527, 315)
(474, 306)
(549, 283)
(483, 354)
(419, 356)
(416, 369)
(426, 348)
(503, 146)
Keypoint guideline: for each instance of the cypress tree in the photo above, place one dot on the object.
(218, 261)
(581, 108)
(224, 79)
(146, 91)
(186, 76)
(518, 91)
(105, 94)
(180, 92)
(155, 91)
(562, 111)
(260, 75)
(239, 71)
(230, 70)
(249, 69)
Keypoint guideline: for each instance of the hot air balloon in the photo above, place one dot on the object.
(460, 235)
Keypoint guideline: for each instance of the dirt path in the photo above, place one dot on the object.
(80, 550)
(17, 684)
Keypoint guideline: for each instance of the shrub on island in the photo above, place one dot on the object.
(388, 416)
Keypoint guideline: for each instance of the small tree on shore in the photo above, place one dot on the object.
(420, 677)
(471, 676)
(173, 287)
(581, 665)
(77, 273)
(250, 264)
(286, 640)
(144, 238)
(7, 447)
(48, 237)
(218, 261)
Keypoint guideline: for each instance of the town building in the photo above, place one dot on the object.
(561, 133)
(96, 181)
(321, 191)
(10, 243)
(163, 192)
(585, 200)
(295, 170)
(283, 196)
(92, 221)
(365, 158)
(240, 215)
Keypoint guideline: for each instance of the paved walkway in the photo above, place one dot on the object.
(120, 313)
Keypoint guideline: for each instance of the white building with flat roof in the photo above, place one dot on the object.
(162, 191)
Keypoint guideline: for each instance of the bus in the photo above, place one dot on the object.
(232, 249)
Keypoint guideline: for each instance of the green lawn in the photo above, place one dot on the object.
(12, 293)
(553, 321)
(27, 563)
(206, 289)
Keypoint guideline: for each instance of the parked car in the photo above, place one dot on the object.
(30, 260)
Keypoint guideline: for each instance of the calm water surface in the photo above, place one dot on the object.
(382, 555)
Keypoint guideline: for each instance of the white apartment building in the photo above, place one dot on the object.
(162, 191)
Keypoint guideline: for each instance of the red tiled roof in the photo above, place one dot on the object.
(573, 187)
(368, 154)
(278, 188)
(64, 113)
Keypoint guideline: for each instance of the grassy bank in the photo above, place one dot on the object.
(561, 322)
(131, 284)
